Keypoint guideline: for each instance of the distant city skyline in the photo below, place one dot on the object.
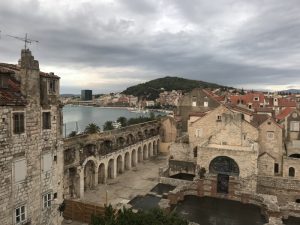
(109, 45)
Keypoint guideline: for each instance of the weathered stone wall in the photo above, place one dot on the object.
(185, 106)
(288, 163)
(272, 146)
(230, 129)
(31, 146)
(286, 190)
(246, 160)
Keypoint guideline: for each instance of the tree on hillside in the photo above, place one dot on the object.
(92, 128)
(123, 121)
(108, 125)
(128, 217)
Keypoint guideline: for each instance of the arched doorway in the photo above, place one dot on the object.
(140, 154)
(145, 152)
(157, 147)
(291, 172)
(119, 165)
(224, 167)
(110, 169)
(150, 150)
(127, 161)
(133, 158)
(101, 174)
(89, 175)
(154, 148)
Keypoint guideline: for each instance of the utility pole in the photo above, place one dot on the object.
(26, 40)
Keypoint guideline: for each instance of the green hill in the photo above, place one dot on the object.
(151, 89)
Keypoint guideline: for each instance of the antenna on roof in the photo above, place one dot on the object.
(26, 40)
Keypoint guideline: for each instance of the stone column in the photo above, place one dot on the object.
(96, 175)
(129, 160)
(115, 172)
(81, 182)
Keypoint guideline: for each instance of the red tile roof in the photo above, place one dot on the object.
(11, 95)
(284, 113)
(248, 98)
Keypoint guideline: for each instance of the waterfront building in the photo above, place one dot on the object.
(86, 95)
(31, 152)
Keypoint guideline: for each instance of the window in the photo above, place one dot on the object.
(276, 168)
(52, 88)
(195, 152)
(46, 120)
(20, 214)
(250, 106)
(291, 172)
(47, 162)
(256, 98)
(294, 126)
(219, 118)
(270, 135)
(205, 104)
(3, 81)
(47, 200)
(199, 132)
(18, 123)
(20, 170)
(194, 101)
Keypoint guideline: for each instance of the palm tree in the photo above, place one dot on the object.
(123, 121)
(92, 128)
(108, 125)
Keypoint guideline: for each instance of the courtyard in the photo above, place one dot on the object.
(137, 181)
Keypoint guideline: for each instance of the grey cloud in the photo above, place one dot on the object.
(263, 51)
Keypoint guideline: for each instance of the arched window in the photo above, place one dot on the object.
(224, 165)
(291, 172)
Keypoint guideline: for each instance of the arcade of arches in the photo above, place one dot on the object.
(97, 169)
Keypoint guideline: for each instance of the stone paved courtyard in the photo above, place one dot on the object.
(137, 181)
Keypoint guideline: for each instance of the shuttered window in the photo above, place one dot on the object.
(18, 123)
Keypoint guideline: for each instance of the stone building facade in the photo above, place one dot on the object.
(31, 161)
(233, 155)
(198, 100)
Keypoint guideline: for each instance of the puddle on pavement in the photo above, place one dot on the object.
(183, 176)
(212, 211)
(161, 189)
(145, 202)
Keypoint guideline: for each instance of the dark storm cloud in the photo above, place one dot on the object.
(228, 42)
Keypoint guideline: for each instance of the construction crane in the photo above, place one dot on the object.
(26, 40)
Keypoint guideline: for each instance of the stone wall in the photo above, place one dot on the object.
(245, 159)
(286, 190)
(31, 146)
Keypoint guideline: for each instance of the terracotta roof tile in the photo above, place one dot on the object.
(284, 113)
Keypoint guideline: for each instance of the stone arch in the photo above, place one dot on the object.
(89, 174)
(110, 169)
(140, 136)
(145, 152)
(133, 158)
(119, 164)
(154, 148)
(146, 133)
(224, 165)
(127, 161)
(130, 139)
(291, 172)
(121, 141)
(140, 154)
(106, 147)
(150, 150)
(152, 132)
(101, 173)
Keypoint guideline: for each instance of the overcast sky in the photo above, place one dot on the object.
(108, 45)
